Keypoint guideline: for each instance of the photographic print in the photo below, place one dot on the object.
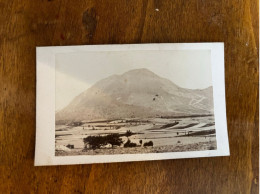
(133, 102)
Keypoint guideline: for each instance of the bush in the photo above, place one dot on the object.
(150, 143)
(129, 144)
(141, 141)
(70, 146)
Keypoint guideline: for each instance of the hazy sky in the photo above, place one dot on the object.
(76, 72)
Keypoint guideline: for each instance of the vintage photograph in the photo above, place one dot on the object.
(133, 102)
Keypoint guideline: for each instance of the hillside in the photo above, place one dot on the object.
(136, 93)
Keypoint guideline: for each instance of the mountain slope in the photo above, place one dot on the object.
(136, 93)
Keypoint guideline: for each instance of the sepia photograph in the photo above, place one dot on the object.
(136, 106)
(121, 102)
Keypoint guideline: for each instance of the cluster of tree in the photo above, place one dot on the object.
(95, 142)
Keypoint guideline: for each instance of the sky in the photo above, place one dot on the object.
(76, 72)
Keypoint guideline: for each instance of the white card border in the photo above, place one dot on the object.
(45, 104)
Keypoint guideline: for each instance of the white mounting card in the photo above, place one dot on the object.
(133, 102)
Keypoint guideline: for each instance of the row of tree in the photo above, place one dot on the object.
(96, 142)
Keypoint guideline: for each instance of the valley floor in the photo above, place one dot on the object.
(137, 150)
(166, 134)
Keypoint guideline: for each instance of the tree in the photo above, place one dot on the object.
(129, 144)
(114, 139)
(128, 133)
(95, 141)
(150, 143)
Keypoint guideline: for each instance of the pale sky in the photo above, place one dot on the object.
(76, 72)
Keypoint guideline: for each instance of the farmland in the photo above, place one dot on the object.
(171, 134)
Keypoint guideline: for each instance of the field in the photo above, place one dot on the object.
(173, 134)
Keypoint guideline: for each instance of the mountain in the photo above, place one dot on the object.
(137, 93)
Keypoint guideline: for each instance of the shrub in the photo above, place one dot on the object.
(141, 141)
(150, 143)
(129, 144)
(70, 146)
(178, 141)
